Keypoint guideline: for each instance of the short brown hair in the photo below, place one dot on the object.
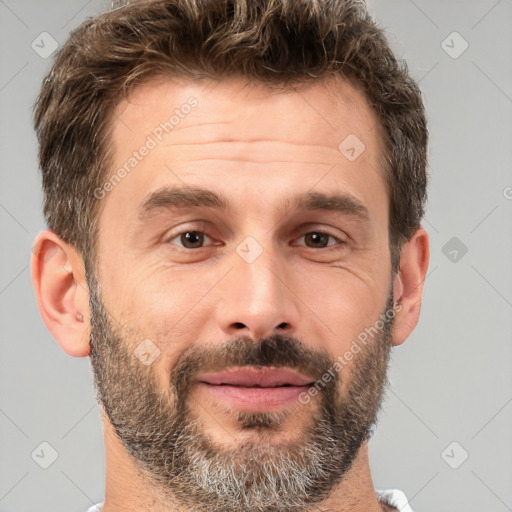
(281, 43)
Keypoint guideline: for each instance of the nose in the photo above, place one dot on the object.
(258, 298)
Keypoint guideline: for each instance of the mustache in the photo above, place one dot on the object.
(274, 351)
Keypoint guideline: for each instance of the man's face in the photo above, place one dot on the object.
(209, 324)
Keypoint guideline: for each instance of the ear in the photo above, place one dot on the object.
(58, 276)
(408, 285)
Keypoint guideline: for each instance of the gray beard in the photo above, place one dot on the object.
(176, 457)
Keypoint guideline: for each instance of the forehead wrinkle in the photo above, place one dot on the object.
(246, 150)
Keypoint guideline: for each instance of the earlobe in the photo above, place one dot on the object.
(408, 285)
(58, 277)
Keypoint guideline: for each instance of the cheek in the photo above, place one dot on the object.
(150, 294)
(343, 305)
(169, 310)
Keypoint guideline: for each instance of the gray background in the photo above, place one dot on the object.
(451, 381)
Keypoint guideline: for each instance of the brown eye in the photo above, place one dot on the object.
(190, 239)
(318, 239)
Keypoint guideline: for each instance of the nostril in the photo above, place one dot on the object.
(239, 325)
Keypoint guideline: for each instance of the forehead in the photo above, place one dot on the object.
(245, 138)
(321, 111)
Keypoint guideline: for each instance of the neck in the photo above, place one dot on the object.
(126, 490)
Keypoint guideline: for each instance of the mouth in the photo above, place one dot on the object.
(255, 389)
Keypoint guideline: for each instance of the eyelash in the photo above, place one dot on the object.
(318, 232)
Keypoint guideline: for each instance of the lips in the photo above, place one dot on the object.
(254, 389)
(251, 377)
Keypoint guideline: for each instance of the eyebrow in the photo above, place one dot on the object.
(194, 196)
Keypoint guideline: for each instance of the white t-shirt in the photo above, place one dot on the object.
(392, 497)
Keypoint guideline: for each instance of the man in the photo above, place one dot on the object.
(233, 191)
